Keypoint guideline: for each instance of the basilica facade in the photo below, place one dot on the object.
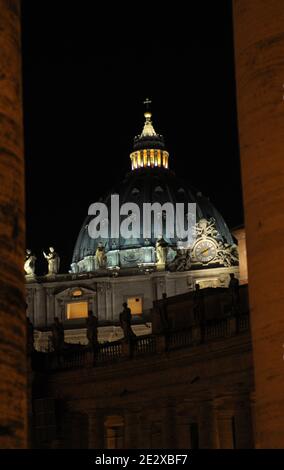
(107, 271)
(185, 379)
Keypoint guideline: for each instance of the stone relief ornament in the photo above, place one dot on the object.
(208, 247)
(181, 262)
(132, 256)
(227, 254)
(206, 228)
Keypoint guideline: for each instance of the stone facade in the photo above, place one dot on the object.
(180, 390)
(48, 298)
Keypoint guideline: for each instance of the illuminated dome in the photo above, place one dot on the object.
(149, 181)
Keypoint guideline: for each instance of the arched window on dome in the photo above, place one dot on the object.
(135, 191)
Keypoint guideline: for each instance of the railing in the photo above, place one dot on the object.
(68, 359)
(243, 323)
(141, 346)
(108, 352)
(179, 339)
(145, 345)
(216, 329)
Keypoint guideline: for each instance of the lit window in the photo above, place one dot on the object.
(145, 157)
(77, 310)
(114, 432)
(135, 305)
(159, 158)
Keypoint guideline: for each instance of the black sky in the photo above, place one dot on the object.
(86, 72)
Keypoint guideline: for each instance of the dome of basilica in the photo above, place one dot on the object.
(149, 181)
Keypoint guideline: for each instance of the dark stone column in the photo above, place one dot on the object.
(209, 434)
(13, 383)
(259, 52)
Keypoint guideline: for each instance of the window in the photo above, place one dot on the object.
(135, 305)
(194, 436)
(77, 293)
(77, 310)
(114, 432)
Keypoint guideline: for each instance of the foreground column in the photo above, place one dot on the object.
(13, 383)
(259, 52)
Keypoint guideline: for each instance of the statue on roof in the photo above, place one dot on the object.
(125, 323)
(100, 256)
(92, 330)
(53, 261)
(57, 335)
(161, 250)
(29, 265)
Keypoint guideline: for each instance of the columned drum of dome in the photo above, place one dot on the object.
(151, 181)
(149, 147)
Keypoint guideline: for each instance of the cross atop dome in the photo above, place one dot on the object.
(147, 103)
(148, 129)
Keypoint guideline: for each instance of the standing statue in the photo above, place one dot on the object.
(100, 256)
(235, 293)
(161, 251)
(164, 313)
(125, 322)
(199, 310)
(198, 305)
(57, 338)
(92, 330)
(29, 265)
(53, 261)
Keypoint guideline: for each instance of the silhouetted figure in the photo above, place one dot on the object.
(198, 306)
(125, 322)
(57, 338)
(198, 310)
(164, 313)
(235, 294)
(92, 330)
(30, 337)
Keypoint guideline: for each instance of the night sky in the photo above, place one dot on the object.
(86, 72)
